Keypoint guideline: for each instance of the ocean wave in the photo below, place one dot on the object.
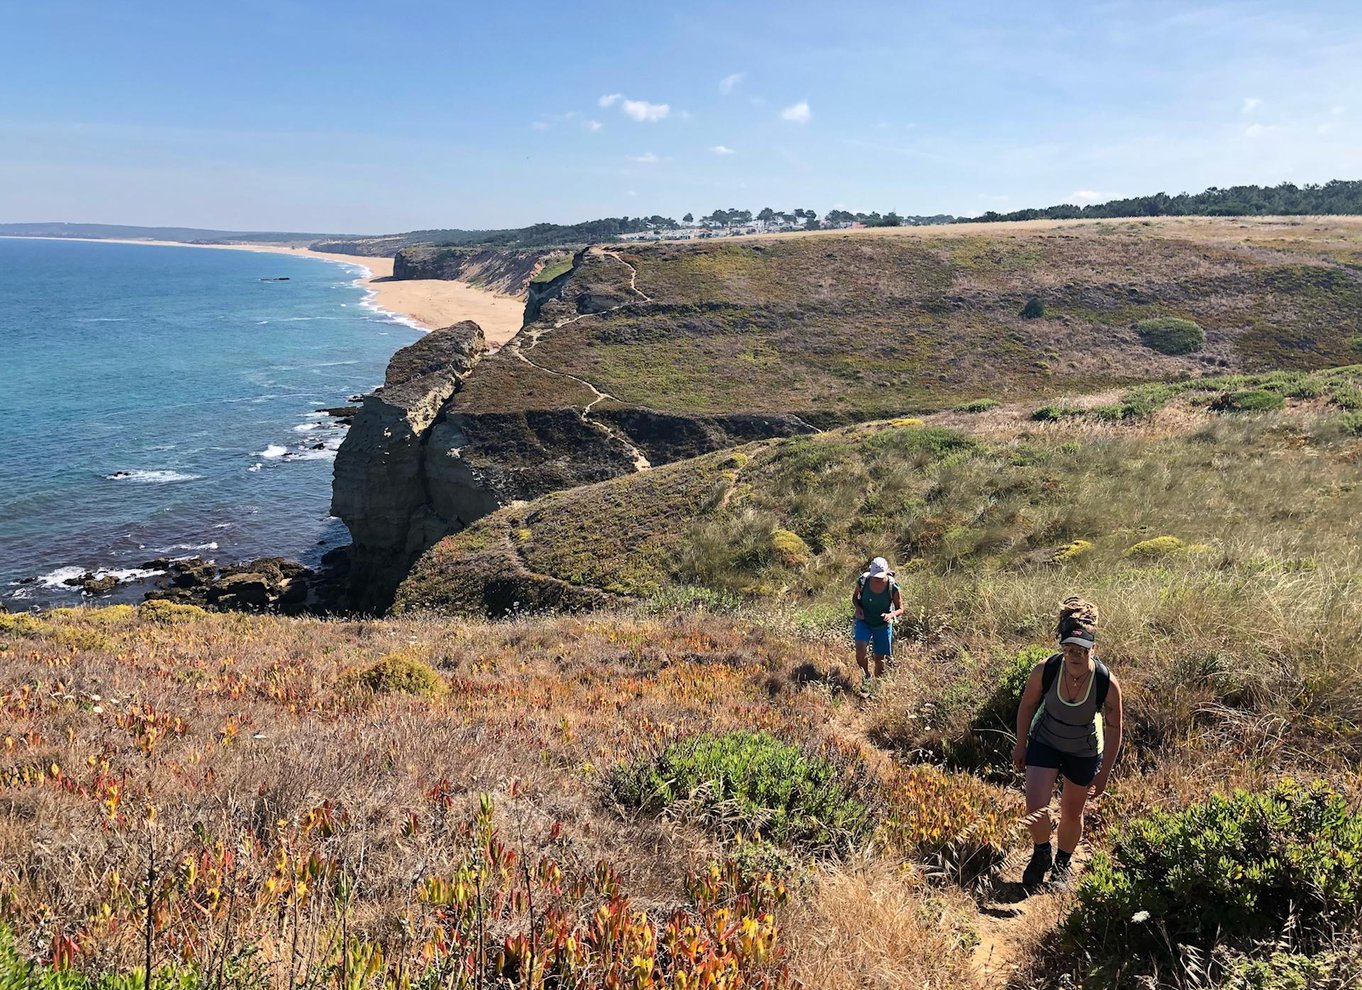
(388, 315)
(102, 319)
(307, 427)
(273, 452)
(190, 546)
(57, 579)
(152, 477)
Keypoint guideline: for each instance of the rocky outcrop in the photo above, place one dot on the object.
(270, 584)
(381, 489)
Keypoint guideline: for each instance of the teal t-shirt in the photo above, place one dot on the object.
(875, 603)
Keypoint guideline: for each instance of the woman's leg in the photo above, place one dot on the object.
(1040, 788)
(1072, 800)
(862, 648)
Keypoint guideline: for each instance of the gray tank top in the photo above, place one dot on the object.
(1074, 729)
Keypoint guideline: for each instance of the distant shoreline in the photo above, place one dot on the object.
(426, 304)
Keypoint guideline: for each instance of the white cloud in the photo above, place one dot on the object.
(728, 82)
(1091, 196)
(720, 149)
(631, 192)
(647, 158)
(1257, 130)
(592, 125)
(643, 111)
(539, 125)
(798, 113)
(1338, 111)
(1251, 103)
(609, 101)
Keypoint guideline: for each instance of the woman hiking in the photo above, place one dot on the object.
(1068, 725)
(877, 603)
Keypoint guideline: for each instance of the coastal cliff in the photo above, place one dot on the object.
(380, 486)
(506, 272)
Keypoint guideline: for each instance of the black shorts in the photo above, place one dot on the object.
(1079, 769)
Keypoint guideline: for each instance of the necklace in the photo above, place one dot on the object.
(1076, 683)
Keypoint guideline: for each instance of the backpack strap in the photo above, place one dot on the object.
(1101, 687)
(1051, 671)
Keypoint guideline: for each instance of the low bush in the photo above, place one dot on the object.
(789, 549)
(1033, 310)
(1053, 412)
(950, 822)
(1334, 970)
(18, 973)
(749, 781)
(1248, 400)
(977, 406)
(1230, 869)
(1170, 335)
(1072, 551)
(400, 672)
(170, 613)
(1159, 547)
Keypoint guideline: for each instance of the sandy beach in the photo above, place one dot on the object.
(431, 303)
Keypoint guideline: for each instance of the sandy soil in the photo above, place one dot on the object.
(430, 302)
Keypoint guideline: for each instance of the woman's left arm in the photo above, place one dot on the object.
(1112, 718)
(897, 601)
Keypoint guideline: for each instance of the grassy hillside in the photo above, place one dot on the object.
(840, 327)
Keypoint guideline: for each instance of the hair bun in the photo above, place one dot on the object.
(1076, 613)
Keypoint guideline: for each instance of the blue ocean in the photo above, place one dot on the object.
(164, 401)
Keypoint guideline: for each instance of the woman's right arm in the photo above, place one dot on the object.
(1026, 711)
(856, 600)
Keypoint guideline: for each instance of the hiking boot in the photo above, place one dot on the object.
(1061, 877)
(1041, 859)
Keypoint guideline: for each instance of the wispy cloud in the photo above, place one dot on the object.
(1091, 196)
(720, 149)
(1251, 103)
(645, 112)
(647, 158)
(592, 125)
(1257, 130)
(799, 113)
(609, 101)
(730, 81)
(539, 125)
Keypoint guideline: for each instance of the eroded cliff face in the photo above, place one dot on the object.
(380, 488)
(506, 272)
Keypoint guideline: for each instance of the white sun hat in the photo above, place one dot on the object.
(879, 567)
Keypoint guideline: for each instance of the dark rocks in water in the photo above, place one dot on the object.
(91, 583)
(157, 564)
(340, 412)
(276, 278)
(270, 584)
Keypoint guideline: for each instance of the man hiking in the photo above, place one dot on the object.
(1068, 725)
(877, 602)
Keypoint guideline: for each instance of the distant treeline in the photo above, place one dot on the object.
(1339, 196)
(540, 234)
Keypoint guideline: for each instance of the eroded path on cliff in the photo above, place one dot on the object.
(640, 460)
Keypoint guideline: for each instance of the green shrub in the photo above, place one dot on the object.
(1034, 309)
(746, 781)
(977, 406)
(1351, 423)
(1053, 412)
(1074, 550)
(400, 672)
(1341, 970)
(1345, 396)
(1232, 868)
(1159, 546)
(789, 549)
(1248, 400)
(1170, 335)
(18, 973)
(170, 613)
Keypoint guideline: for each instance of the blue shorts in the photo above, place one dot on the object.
(1079, 769)
(880, 638)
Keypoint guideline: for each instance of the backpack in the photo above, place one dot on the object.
(860, 585)
(1100, 671)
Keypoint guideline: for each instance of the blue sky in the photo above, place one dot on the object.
(369, 117)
